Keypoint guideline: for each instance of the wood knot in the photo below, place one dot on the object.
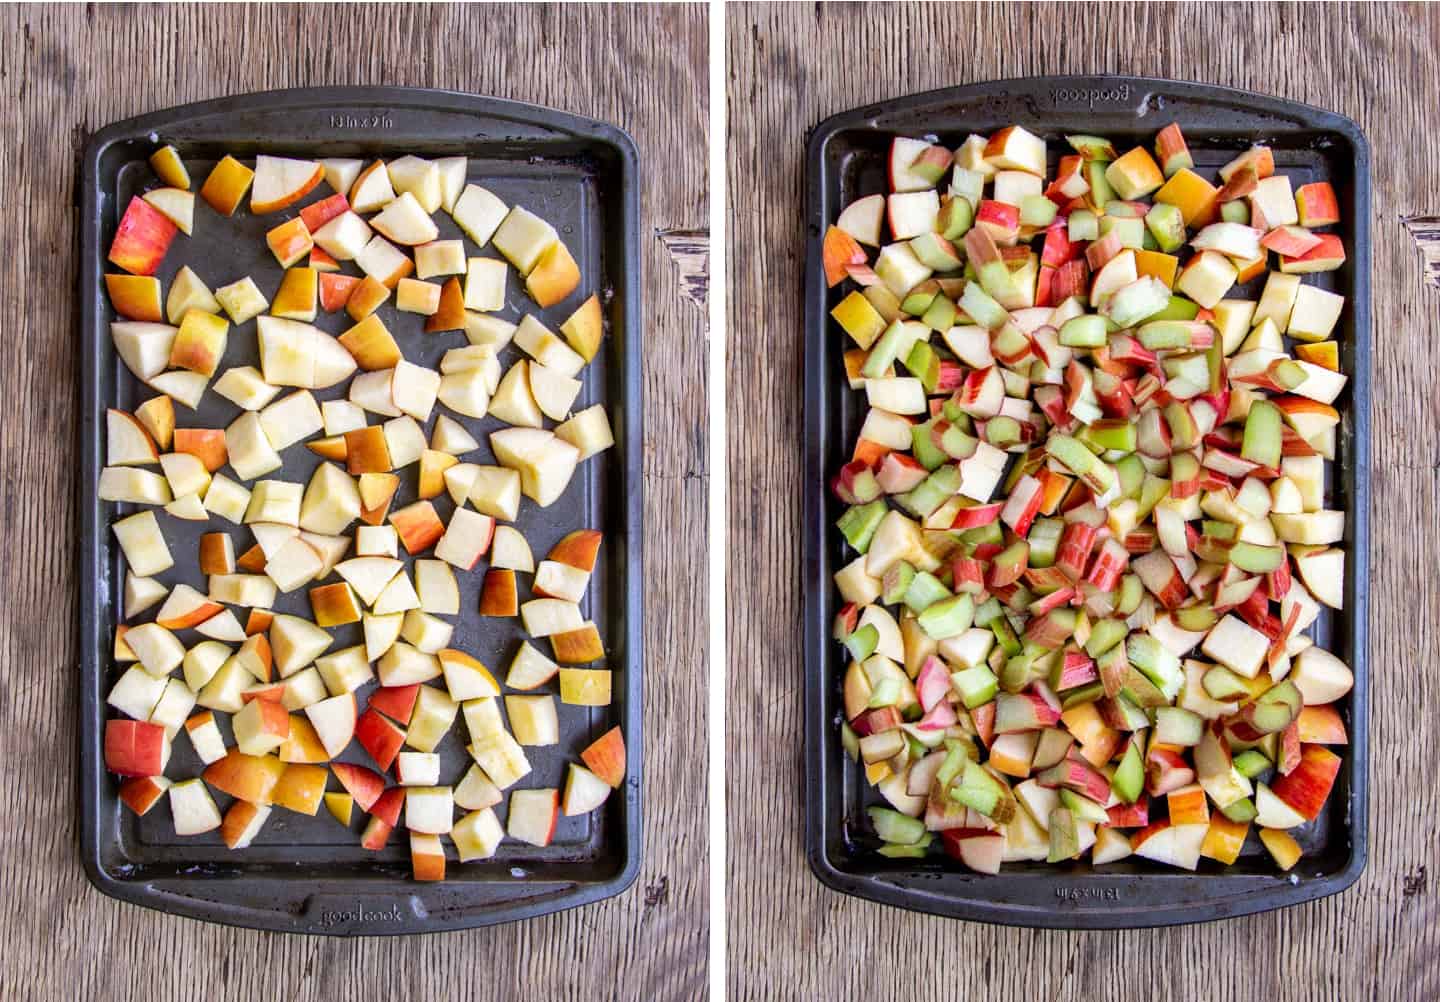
(657, 893)
(1425, 231)
(1414, 883)
(690, 250)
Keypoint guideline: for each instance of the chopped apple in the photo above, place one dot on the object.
(406, 222)
(498, 596)
(141, 239)
(546, 464)
(588, 430)
(508, 549)
(533, 815)
(584, 791)
(157, 416)
(585, 686)
(523, 237)
(344, 237)
(478, 213)
(606, 757)
(334, 721)
(193, 809)
(384, 262)
(143, 544)
(135, 297)
(554, 276)
(372, 188)
(466, 539)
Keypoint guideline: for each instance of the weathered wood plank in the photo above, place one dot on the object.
(71, 69)
(790, 67)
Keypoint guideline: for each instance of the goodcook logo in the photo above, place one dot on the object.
(1091, 96)
(330, 918)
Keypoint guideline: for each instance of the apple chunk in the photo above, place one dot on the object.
(142, 238)
(281, 182)
(606, 757)
(584, 791)
(545, 463)
(533, 814)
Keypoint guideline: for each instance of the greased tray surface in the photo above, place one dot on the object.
(846, 160)
(305, 874)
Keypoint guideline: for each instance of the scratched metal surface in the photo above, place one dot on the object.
(74, 69)
(791, 66)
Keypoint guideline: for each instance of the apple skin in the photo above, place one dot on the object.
(134, 748)
(1308, 785)
(578, 549)
(395, 701)
(497, 594)
(427, 857)
(245, 777)
(418, 526)
(142, 238)
(140, 793)
(387, 807)
(605, 757)
(365, 785)
(376, 834)
(378, 736)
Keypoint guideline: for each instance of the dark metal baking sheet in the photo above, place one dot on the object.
(846, 159)
(306, 874)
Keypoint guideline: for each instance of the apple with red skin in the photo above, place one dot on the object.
(380, 737)
(142, 238)
(365, 785)
(395, 701)
(134, 747)
(1308, 785)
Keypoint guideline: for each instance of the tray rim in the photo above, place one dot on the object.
(1263, 893)
(411, 898)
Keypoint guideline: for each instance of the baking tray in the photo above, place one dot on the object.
(306, 874)
(845, 160)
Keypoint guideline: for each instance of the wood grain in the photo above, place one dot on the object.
(72, 69)
(790, 66)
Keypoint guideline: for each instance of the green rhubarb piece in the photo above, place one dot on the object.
(859, 523)
(1044, 540)
(956, 217)
(948, 618)
(976, 686)
(1262, 441)
(1084, 331)
(1251, 763)
(894, 827)
(1083, 807)
(1223, 684)
(924, 591)
(1175, 725)
(862, 643)
(887, 692)
(1064, 837)
(896, 582)
(1167, 225)
(1083, 225)
(1104, 635)
(1179, 308)
(883, 351)
(1241, 811)
(923, 447)
(1156, 662)
(1129, 778)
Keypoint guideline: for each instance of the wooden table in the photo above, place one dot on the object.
(70, 70)
(790, 67)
